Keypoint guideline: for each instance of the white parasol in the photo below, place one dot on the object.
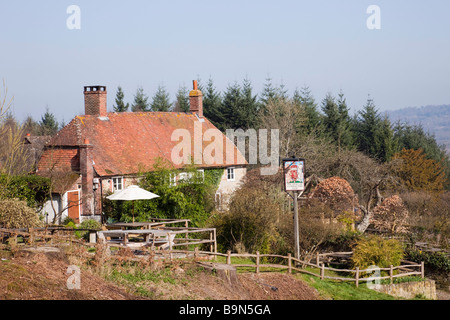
(132, 193)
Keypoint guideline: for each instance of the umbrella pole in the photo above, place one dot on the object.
(133, 211)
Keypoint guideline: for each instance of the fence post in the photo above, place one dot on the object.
(391, 274)
(229, 257)
(317, 260)
(357, 277)
(31, 231)
(322, 271)
(289, 263)
(257, 261)
(196, 253)
(422, 269)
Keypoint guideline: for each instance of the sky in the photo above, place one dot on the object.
(323, 44)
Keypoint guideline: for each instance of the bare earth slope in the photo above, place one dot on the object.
(37, 276)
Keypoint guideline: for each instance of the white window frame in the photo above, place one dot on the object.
(172, 179)
(202, 174)
(231, 174)
(114, 183)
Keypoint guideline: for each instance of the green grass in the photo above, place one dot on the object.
(336, 290)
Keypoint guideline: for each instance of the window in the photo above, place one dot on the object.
(230, 174)
(172, 180)
(117, 183)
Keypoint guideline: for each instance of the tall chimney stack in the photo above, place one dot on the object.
(95, 100)
(196, 100)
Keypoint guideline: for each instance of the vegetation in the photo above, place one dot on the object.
(16, 214)
(375, 250)
(189, 198)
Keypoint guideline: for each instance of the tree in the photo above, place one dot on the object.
(212, 104)
(140, 103)
(120, 104)
(248, 112)
(418, 173)
(344, 133)
(269, 93)
(161, 100)
(231, 107)
(182, 100)
(285, 116)
(374, 135)
(305, 100)
(49, 125)
(30, 126)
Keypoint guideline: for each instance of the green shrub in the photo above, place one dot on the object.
(437, 261)
(16, 214)
(374, 250)
(87, 224)
(30, 188)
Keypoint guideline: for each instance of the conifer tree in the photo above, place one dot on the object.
(248, 112)
(140, 103)
(182, 100)
(231, 107)
(212, 104)
(374, 135)
(305, 99)
(48, 124)
(161, 100)
(120, 104)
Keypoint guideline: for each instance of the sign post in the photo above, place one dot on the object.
(294, 181)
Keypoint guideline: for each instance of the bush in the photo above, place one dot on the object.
(31, 188)
(87, 224)
(374, 250)
(437, 261)
(16, 214)
(250, 225)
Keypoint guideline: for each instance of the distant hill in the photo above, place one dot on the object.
(434, 119)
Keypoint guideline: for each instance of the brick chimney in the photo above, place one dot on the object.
(95, 100)
(196, 100)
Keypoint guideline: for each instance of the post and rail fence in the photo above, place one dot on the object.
(289, 262)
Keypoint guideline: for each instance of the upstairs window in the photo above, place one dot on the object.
(117, 184)
(230, 174)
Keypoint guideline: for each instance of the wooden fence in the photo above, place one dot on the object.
(289, 263)
(293, 264)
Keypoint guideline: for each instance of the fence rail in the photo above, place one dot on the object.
(290, 263)
(293, 262)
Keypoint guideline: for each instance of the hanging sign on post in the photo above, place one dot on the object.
(294, 174)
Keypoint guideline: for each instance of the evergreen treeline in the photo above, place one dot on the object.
(239, 107)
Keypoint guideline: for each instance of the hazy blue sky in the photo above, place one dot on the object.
(323, 44)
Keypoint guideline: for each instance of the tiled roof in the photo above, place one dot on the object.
(130, 142)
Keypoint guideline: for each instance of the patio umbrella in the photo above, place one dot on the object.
(132, 193)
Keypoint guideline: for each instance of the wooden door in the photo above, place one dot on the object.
(73, 202)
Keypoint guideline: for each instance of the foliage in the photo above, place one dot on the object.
(16, 214)
(191, 198)
(31, 188)
(375, 250)
(90, 224)
(49, 125)
(374, 134)
(120, 104)
(250, 224)
(416, 172)
(437, 261)
(140, 103)
(182, 100)
(391, 216)
(161, 100)
(337, 194)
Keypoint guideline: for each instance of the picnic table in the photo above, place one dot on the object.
(146, 237)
